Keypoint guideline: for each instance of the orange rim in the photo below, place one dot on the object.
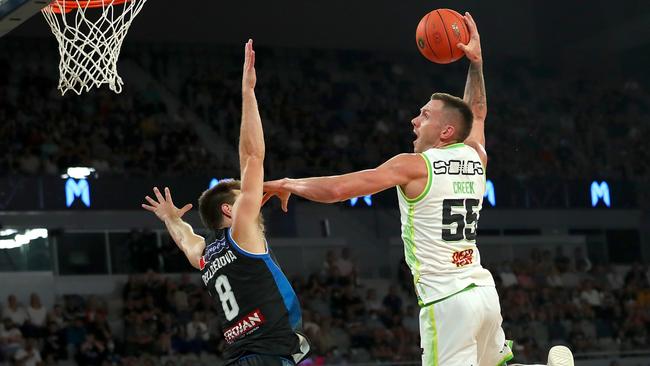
(65, 6)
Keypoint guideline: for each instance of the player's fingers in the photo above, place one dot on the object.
(185, 209)
(246, 56)
(168, 195)
(285, 204)
(148, 208)
(267, 196)
(462, 47)
(471, 23)
(156, 191)
(252, 63)
(151, 201)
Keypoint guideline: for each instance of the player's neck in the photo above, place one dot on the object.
(443, 144)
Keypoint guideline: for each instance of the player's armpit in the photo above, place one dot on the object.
(480, 149)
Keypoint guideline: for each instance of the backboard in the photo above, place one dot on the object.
(15, 12)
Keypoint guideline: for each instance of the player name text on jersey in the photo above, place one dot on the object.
(217, 264)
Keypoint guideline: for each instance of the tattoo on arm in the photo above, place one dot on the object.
(475, 94)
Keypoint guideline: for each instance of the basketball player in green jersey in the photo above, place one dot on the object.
(440, 191)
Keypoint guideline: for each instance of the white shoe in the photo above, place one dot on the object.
(560, 356)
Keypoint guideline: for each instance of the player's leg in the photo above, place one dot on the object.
(493, 348)
(447, 330)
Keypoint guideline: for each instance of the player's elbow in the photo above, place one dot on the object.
(252, 160)
(251, 148)
(252, 152)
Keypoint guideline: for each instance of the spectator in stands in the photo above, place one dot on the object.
(15, 311)
(36, 317)
(346, 267)
(56, 315)
(28, 354)
(590, 294)
(91, 352)
(76, 332)
(372, 302)
(140, 336)
(10, 339)
(197, 333)
(507, 276)
(54, 348)
(392, 301)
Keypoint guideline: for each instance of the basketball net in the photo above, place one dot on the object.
(90, 35)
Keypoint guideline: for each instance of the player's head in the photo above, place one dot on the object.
(216, 204)
(444, 119)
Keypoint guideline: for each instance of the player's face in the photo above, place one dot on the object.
(427, 126)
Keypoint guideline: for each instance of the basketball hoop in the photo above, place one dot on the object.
(90, 35)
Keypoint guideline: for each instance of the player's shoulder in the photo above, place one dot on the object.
(479, 148)
(412, 165)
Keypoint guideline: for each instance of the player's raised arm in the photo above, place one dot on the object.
(190, 243)
(245, 227)
(397, 171)
(475, 95)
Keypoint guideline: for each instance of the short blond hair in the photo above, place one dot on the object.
(464, 113)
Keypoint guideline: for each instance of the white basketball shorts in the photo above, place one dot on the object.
(464, 330)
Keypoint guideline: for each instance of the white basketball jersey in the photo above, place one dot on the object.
(439, 226)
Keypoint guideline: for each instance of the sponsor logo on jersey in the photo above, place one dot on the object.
(457, 167)
(244, 326)
(463, 258)
(216, 265)
(215, 248)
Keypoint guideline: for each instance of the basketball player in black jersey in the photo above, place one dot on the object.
(258, 310)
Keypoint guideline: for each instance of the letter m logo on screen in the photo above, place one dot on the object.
(600, 192)
(77, 189)
(489, 193)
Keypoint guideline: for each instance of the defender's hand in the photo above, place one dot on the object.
(283, 196)
(249, 78)
(473, 48)
(164, 208)
(276, 188)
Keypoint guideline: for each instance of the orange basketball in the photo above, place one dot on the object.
(438, 33)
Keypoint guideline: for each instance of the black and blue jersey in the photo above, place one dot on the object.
(258, 309)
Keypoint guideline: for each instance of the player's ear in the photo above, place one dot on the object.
(226, 210)
(447, 132)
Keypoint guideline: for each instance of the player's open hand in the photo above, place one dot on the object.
(164, 208)
(249, 78)
(473, 48)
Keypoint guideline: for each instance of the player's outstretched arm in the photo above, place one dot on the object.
(397, 171)
(190, 243)
(245, 227)
(475, 95)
